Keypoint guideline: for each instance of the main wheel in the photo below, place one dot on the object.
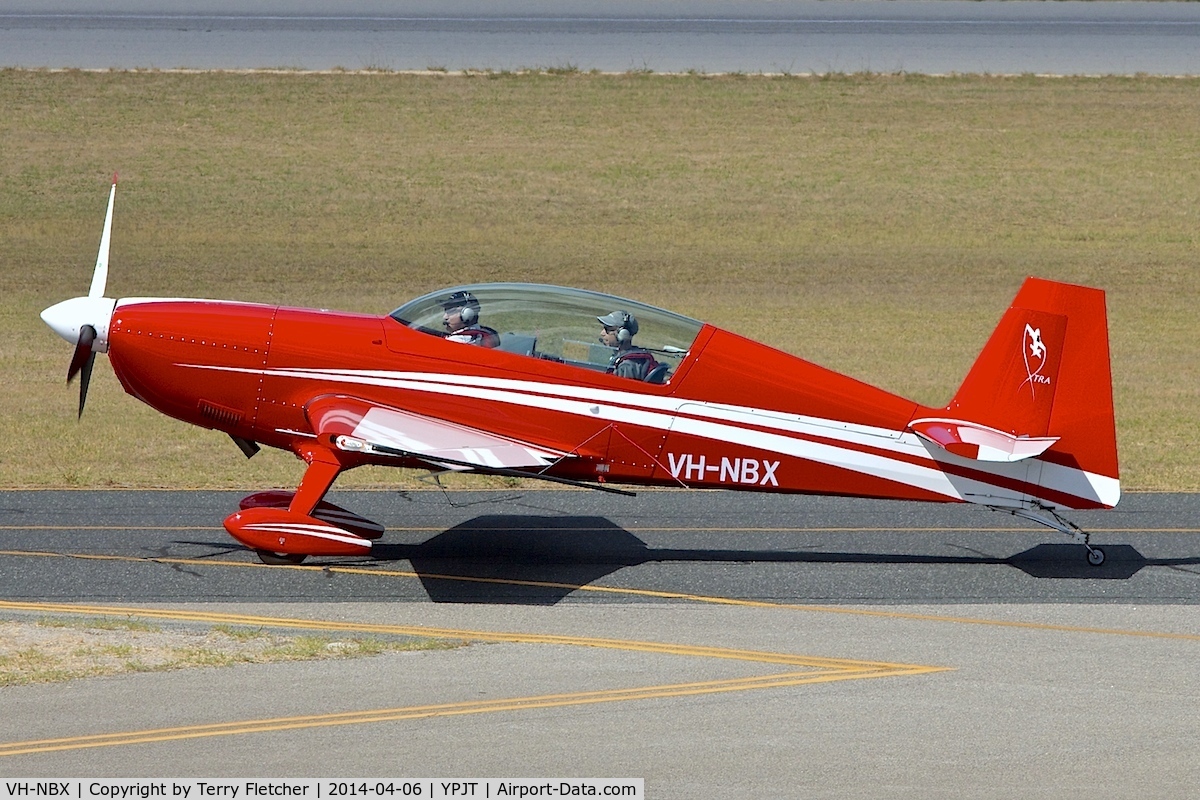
(280, 559)
(1095, 556)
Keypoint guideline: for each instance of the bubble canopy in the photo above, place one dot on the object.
(556, 322)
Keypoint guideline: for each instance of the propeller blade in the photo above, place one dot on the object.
(82, 361)
(83, 351)
(84, 379)
(100, 275)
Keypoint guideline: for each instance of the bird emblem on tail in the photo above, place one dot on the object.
(1035, 358)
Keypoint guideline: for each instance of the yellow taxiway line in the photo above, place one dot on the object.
(627, 592)
(415, 712)
(812, 670)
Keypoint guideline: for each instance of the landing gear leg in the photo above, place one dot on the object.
(1052, 519)
(297, 521)
(323, 469)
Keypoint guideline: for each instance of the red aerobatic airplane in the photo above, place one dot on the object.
(579, 387)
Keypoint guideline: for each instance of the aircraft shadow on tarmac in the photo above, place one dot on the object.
(540, 560)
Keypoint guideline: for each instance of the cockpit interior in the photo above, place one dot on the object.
(555, 323)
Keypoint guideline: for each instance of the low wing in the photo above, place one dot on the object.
(365, 427)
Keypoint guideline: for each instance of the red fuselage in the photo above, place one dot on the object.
(251, 371)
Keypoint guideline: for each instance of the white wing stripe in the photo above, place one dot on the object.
(814, 426)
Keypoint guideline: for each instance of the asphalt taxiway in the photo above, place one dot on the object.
(717, 645)
(544, 547)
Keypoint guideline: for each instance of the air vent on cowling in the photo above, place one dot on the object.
(220, 414)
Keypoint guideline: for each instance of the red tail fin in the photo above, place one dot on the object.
(1044, 374)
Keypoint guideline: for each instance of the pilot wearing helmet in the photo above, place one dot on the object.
(460, 318)
(629, 361)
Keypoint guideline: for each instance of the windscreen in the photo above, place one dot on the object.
(554, 322)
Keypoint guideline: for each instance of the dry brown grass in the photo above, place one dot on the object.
(54, 649)
(877, 225)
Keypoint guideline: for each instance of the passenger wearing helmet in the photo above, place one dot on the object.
(460, 318)
(628, 361)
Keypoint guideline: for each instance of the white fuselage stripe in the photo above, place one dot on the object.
(730, 424)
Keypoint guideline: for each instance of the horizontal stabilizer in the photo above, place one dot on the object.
(971, 440)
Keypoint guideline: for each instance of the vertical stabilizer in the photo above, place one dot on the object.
(1041, 387)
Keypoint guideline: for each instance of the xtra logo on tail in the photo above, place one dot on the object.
(1034, 351)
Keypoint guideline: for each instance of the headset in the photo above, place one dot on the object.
(467, 305)
(625, 323)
